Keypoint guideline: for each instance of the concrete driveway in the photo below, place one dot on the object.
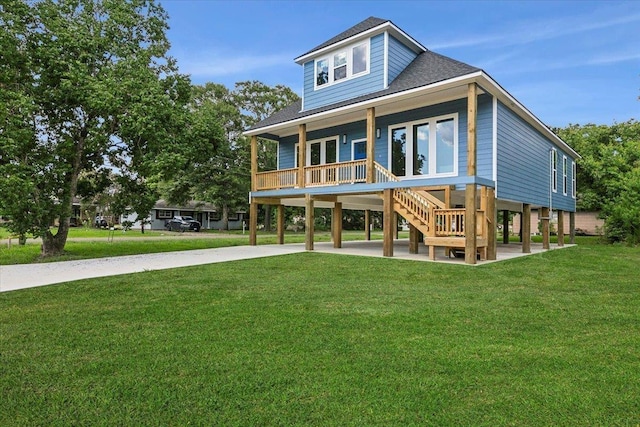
(13, 277)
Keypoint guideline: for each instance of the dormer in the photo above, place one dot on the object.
(363, 59)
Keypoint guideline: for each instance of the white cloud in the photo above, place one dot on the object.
(215, 64)
(523, 32)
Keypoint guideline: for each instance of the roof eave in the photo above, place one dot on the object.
(480, 77)
(523, 111)
(385, 26)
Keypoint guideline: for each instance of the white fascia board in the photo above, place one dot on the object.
(523, 112)
(386, 26)
(467, 78)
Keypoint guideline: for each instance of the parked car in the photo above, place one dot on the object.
(101, 222)
(183, 223)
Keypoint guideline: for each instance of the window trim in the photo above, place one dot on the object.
(565, 171)
(432, 145)
(161, 214)
(574, 171)
(329, 57)
(554, 170)
(353, 146)
(323, 151)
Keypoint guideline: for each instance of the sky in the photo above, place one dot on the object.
(568, 62)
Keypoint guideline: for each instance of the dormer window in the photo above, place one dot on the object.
(343, 64)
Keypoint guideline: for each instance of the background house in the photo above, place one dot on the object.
(208, 215)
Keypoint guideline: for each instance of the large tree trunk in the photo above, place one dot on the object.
(225, 217)
(53, 245)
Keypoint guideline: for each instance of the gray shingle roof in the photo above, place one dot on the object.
(367, 24)
(426, 69)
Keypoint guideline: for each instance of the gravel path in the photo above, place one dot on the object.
(13, 277)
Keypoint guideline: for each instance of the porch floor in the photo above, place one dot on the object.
(373, 248)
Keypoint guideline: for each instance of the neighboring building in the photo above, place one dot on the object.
(586, 223)
(385, 124)
(206, 213)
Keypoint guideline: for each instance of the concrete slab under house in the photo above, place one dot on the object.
(384, 124)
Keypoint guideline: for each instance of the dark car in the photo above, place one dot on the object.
(183, 223)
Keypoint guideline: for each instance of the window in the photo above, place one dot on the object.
(359, 59)
(554, 170)
(214, 216)
(398, 151)
(322, 152)
(565, 182)
(425, 148)
(359, 149)
(164, 214)
(322, 72)
(341, 65)
(573, 179)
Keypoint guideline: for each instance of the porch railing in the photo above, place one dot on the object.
(274, 180)
(336, 173)
(450, 222)
(331, 174)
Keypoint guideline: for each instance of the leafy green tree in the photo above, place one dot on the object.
(608, 174)
(221, 176)
(91, 89)
(257, 101)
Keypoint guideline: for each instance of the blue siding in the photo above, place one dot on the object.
(357, 130)
(286, 152)
(484, 143)
(523, 164)
(399, 57)
(350, 88)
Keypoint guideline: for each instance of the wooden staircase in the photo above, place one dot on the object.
(439, 224)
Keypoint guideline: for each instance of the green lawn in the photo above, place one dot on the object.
(317, 339)
(105, 247)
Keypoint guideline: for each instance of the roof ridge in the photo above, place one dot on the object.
(360, 27)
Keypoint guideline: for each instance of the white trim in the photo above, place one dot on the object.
(528, 115)
(554, 170)
(574, 179)
(296, 154)
(369, 33)
(278, 155)
(385, 53)
(353, 143)
(565, 175)
(408, 126)
(323, 149)
(494, 138)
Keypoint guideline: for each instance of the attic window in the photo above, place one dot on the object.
(342, 64)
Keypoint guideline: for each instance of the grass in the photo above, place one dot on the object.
(317, 339)
(100, 248)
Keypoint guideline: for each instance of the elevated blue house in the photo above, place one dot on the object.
(384, 124)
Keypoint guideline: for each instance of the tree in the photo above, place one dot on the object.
(608, 174)
(221, 177)
(257, 101)
(90, 89)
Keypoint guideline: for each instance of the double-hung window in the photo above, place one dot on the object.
(426, 147)
(343, 64)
